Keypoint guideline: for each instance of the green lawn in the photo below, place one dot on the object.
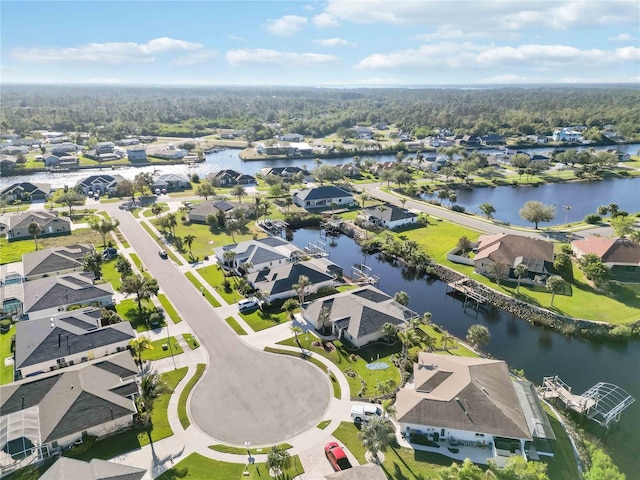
(438, 237)
(161, 245)
(235, 325)
(196, 283)
(136, 259)
(158, 352)
(563, 464)
(6, 373)
(137, 437)
(323, 424)
(214, 276)
(13, 251)
(168, 308)
(269, 316)
(32, 472)
(191, 341)
(243, 451)
(196, 466)
(110, 275)
(341, 358)
(148, 213)
(182, 402)
(128, 310)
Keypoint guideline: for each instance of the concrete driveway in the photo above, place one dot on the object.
(245, 394)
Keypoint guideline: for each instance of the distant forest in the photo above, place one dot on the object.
(110, 112)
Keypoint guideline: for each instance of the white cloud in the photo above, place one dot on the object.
(335, 42)
(325, 20)
(510, 79)
(112, 52)
(286, 26)
(194, 58)
(467, 54)
(623, 37)
(265, 57)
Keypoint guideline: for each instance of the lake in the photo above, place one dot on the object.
(539, 352)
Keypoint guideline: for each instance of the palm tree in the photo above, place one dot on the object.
(151, 387)
(478, 335)
(288, 202)
(429, 342)
(452, 196)
(228, 257)
(278, 460)
(34, 231)
(364, 197)
(376, 435)
(138, 345)
(402, 298)
(172, 223)
(142, 287)
(301, 287)
(239, 191)
(296, 330)
(92, 262)
(408, 337)
(555, 284)
(446, 338)
(388, 408)
(156, 209)
(290, 305)
(383, 387)
(390, 331)
(188, 240)
(233, 226)
(520, 271)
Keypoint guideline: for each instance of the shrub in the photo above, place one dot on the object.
(566, 249)
(592, 219)
(5, 324)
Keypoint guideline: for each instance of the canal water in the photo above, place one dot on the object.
(539, 352)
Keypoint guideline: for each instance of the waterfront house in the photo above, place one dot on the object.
(567, 135)
(388, 216)
(54, 410)
(492, 139)
(621, 255)
(322, 197)
(290, 137)
(278, 282)
(127, 142)
(622, 156)
(513, 250)
(8, 162)
(199, 212)
(469, 141)
(254, 255)
(229, 177)
(63, 149)
(285, 172)
(357, 316)
(54, 261)
(454, 403)
(49, 222)
(171, 181)
(62, 161)
(26, 191)
(66, 468)
(68, 338)
(48, 296)
(102, 183)
(363, 133)
(137, 154)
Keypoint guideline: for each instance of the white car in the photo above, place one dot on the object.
(247, 304)
(364, 413)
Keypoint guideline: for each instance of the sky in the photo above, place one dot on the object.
(329, 43)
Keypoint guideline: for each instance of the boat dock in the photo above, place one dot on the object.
(603, 403)
(273, 227)
(462, 287)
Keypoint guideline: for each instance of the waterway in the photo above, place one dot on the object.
(539, 352)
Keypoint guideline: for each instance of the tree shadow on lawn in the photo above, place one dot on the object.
(140, 320)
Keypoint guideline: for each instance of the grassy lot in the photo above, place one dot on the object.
(196, 466)
(337, 390)
(168, 308)
(563, 464)
(438, 237)
(137, 437)
(235, 325)
(341, 357)
(110, 275)
(214, 276)
(269, 316)
(13, 251)
(210, 298)
(243, 451)
(182, 402)
(191, 341)
(158, 351)
(6, 373)
(323, 424)
(148, 213)
(128, 310)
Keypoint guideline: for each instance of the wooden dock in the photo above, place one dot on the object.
(462, 287)
(555, 388)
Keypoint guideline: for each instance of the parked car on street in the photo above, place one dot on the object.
(336, 456)
(163, 254)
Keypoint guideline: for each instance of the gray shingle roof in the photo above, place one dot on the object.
(66, 468)
(74, 332)
(281, 278)
(41, 217)
(319, 193)
(55, 259)
(391, 213)
(102, 179)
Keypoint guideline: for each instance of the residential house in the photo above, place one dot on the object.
(64, 149)
(49, 223)
(137, 154)
(54, 261)
(454, 403)
(492, 139)
(566, 135)
(285, 172)
(48, 296)
(230, 177)
(621, 255)
(513, 250)
(199, 212)
(8, 162)
(290, 137)
(127, 142)
(102, 183)
(278, 282)
(322, 197)
(388, 216)
(105, 147)
(381, 126)
(469, 141)
(167, 152)
(370, 471)
(363, 133)
(55, 409)
(622, 156)
(269, 148)
(348, 170)
(379, 167)
(15, 150)
(47, 344)
(63, 161)
(25, 141)
(171, 181)
(301, 149)
(231, 134)
(540, 139)
(26, 191)
(254, 255)
(357, 316)
(66, 468)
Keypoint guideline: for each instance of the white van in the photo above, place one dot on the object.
(247, 304)
(364, 413)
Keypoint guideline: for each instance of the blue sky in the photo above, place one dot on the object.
(320, 43)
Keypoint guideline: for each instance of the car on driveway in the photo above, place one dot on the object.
(364, 413)
(162, 253)
(336, 456)
(248, 304)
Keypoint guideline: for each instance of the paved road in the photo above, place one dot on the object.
(246, 394)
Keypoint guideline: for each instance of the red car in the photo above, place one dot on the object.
(336, 456)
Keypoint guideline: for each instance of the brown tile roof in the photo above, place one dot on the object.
(610, 250)
(505, 248)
